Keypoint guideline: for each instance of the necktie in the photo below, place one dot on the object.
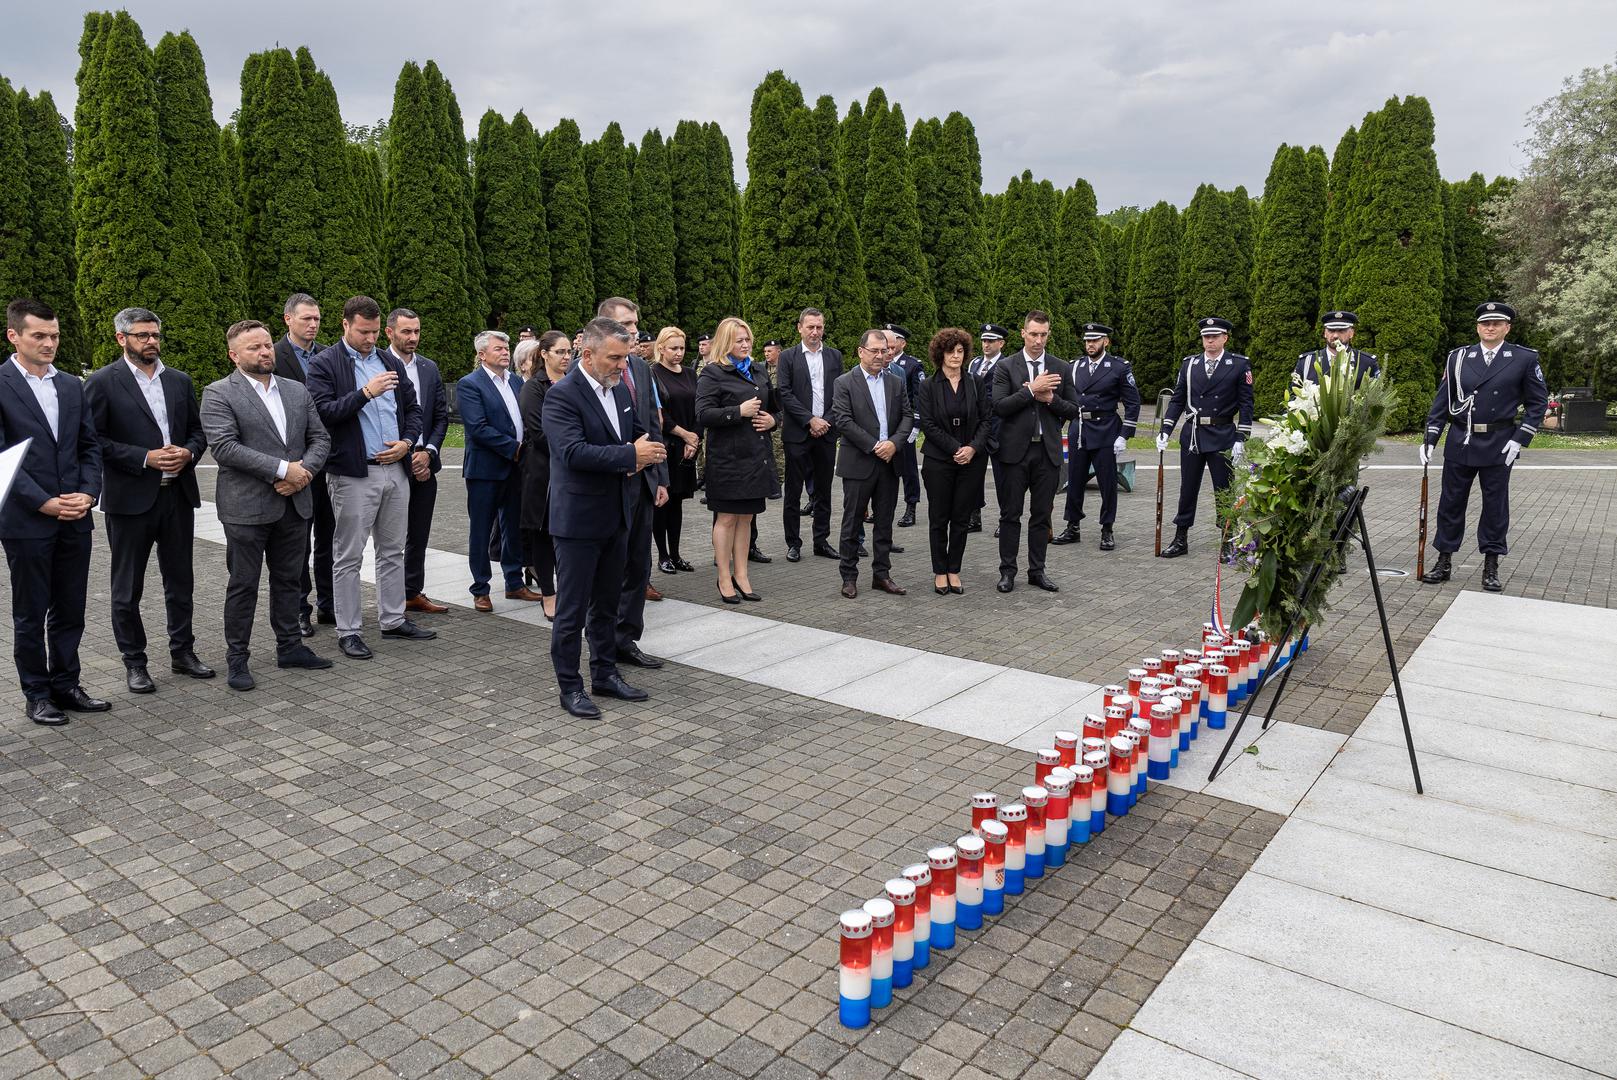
(628, 380)
(1487, 357)
(1037, 369)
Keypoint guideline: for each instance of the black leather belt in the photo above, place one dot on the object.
(1098, 415)
(1208, 421)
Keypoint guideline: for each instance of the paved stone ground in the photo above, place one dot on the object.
(419, 866)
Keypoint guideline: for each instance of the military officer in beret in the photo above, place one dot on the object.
(1492, 398)
(1214, 395)
(1339, 327)
(981, 368)
(913, 372)
(1098, 434)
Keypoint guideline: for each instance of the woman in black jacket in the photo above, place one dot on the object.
(553, 354)
(676, 386)
(954, 454)
(735, 405)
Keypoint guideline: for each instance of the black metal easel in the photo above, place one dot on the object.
(1350, 518)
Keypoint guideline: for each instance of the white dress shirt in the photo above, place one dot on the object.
(816, 373)
(270, 395)
(44, 391)
(503, 385)
(412, 370)
(152, 390)
(878, 398)
(606, 400)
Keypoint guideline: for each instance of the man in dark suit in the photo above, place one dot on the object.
(293, 354)
(1339, 328)
(1102, 382)
(367, 403)
(151, 436)
(403, 335)
(1033, 397)
(808, 372)
(982, 369)
(651, 490)
(492, 421)
(1214, 394)
(913, 372)
(266, 435)
(597, 448)
(874, 418)
(45, 522)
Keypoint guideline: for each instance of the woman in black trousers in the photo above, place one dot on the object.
(676, 386)
(954, 454)
(735, 406)
(549, 363)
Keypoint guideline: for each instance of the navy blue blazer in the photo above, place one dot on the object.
(52, 466)
(434, 406)
(1217, 409)
(1485, 406)
(491, 437)
(1098, 425)
(592, 470)
(338, 400)
(1310, 364)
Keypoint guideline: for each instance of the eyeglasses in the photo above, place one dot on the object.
(144, 335)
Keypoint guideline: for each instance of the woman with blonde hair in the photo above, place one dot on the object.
(676, 386)
(735, 405)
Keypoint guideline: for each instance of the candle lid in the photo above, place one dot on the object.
(1035, 795)
(880, 910)
(941, 858)
(1059, 783)
(1120, 708)
(1013, 812)
(1096, 759)
(1165, 710)
(1049, 757)
(900, 891)
(986, 800)
(1066, 738)
(1121, 745)
(994, 832)
(855, 924)
(1220, 671)
(1084, 774)
(1142, 725)
(919, 873)
(970, 847)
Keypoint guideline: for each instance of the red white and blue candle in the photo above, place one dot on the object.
(1120, 777)
(1094, 728)
(1170, 660)
(1058, 815)
(1014, 818)
(942, 861)
(1136, 677)
(902, 894)
(920, 875)
(1140, 731)
(968, 889)
(1190, 677)
(1187, 710)
(1066, 748)
(1218, 685)
(1164, 737)
(853, 973)
(881, 912)
(1099, 764)
(983, 805)
(1152, 666)
(1035, 798)
(1235, 682)
(995, 835)
(1117, 716)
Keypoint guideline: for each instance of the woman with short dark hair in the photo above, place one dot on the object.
(548, 364)
(954, 454)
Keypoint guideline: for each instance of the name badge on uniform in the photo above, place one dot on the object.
(1228, 361)
(1105, 363)
(1507, 352)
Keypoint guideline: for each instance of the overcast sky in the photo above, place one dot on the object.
(1144, 98)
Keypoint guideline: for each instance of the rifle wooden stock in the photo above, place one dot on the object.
(1420, 555)
(1160, 456)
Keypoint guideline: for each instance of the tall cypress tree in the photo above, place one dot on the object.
(923, 154)
(958, 281)
(654, 240)
(281, 203)
(611, 217)
(853, 153)
(891, 234)
(120, 195)
(1393, 234)
(365, 167)
(350, 264)
(1154, 336)
(847, 301)
(506, 202)
(1285, 288)
(993, 213)
(1080, 268)
(702, 256)
(50, 217)
(567, 215)
(1336, 201)
(1022, 281)
(722, 178)
(1244, 225)
(1209, 279)
(1470, 283)
(16, 231)
(1112, 273)
(456, 154)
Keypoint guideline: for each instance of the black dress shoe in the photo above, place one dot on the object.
(76, 700)
(684, 567)
(1490, 574)
(850, 590)
(240, 678)
(615, 687)
(667, 566)
(754, 555)
(186, 663)
(579, 704)
(895, 549)
(909, 516)
(863, 553)
(731, 599)
(1440, 570)
(958, 590)
(996, 532)
(305, 627)
(826, 551)
(887, 585)
(409, 631)
(976, 522)
(743, 593)
(354, 647)
(631, 654)
(1007, 581)
(1178, 547)
(794, 554)
(326, 618)
(1069, 535)
(139, 681)
(301, 656)
(1037, 579)
(45, 713)
(1106, 541)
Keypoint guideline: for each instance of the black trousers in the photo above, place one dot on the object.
(1104, 458)
(1191, 463)
(636, 573)
(993, 467)
(320, 528)
(589, 578)
(1493, 526)
(809, 463)
(539, 555)
(879, 492)
(905, 460)
(49, 577)
(1035, 479)
(169, 525)
(423, 498)
(952, 493)
(282, 546)
(667, 523)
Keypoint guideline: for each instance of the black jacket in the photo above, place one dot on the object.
(740, 461)
(286, 361)
(338, 399)
(535, 461)
(797, 392)
(1020, 415)
(128, 430)
(942, 437)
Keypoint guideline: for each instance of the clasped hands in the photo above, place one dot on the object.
(69, 507)
(1045, 386)
(296, 479)
(753, 409)
(168, 459)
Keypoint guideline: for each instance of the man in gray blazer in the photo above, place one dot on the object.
(874, 417)
(268, 440)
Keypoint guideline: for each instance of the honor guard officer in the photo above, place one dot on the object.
(982, 369)
(1214, 394)
(1484, 385)
(1338, 335)
(1098, 434)
(910, 369)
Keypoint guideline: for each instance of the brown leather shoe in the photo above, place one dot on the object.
(887, 585)
(424, 603)
(652, 593)
(523, 593)
(484, 604)
(850, 590)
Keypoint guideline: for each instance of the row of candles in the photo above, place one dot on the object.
(1080, 780)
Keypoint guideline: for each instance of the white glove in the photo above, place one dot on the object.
(1238, 451)
(1120, 445)
(1426, 453)
(915, 433)
(1512, 449)
(1162, 442)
